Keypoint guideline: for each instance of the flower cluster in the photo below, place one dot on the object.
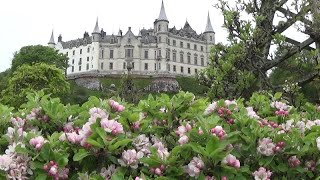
(251, 113)
(231, 161)
(36, 113)
(37, 142)
(77, 136)
(116, 106)
(268, 123)
(282, 108)
(112, 126)
(219, 132)
(96, 113)
(157, 170)
(130, 158)
(293, 161)
(181, 131)
(262, 174)
(194, 167)
(266, 147)
(55, 172)
(106, 173)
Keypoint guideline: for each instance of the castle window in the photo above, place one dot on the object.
(195, 59)
(72, 69)
(80, 51)
(181, 69)
(189, 59)
(174, 57)
(174, 43)
(196, 71)
(168, 55)
(168, 41)
(111, 54)
(88, 50)
(112, 40)
(202, 61)
(88, 59)
(129, 53)
(79, 68)
(73, 52)
(111, 66)
(124, 65)
(181, 57)
(129, 40)
(210, 38)
(87, 66)
(155, 66)
(188, 45)
(146, 54)
(181, 44)
(101, 65)
(174, 68)
(168, 67)
(80, 61)
(67, 54)
(145, 66)
(159, 27)
(132, 65)
(189, 71)
(159, 53)
(72, 61)
(159, 67)
(160, 39)
(155, 54)
(195, 47)
(201, 48)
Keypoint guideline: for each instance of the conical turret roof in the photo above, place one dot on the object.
(96, 28)
(209, 26)
(162, 15)
(51, 41)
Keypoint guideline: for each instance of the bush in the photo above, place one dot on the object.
(163, 138)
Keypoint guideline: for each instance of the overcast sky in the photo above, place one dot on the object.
(30, 22)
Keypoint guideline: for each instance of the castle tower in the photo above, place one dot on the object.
(51, 42)
(161, 29)
(209, 32)
(96, 34)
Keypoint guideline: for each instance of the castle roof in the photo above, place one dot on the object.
(96, 28)
(162, 15)
(51, 41)
(209, 26)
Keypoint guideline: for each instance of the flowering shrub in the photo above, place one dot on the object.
(162, 138)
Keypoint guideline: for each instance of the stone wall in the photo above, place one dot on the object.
(89, 83)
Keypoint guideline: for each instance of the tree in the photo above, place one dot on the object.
(36, 77)
(39, 54)
(241, 67)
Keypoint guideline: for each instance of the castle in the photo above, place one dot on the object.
(161, 51)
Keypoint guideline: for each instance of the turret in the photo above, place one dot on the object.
(51, 42)
(161, 24)
(96, 34)
(209, 32)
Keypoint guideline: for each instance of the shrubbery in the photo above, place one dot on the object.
(162, 138)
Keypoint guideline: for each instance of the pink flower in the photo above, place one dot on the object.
(318, 143)
(211, 108)
(181, 130)
(53, 170)
(138, 178)
(282, 112)
(266, 147)
(130, 158)
(262, 174)
(107, 173)
(116, 106)
(18, 122)
(293, 161)
(73, 137)
(200, 132)
(96, 113)
(251, 113)
(218, 131)
(5, 162)
(279, 105)
(68, 127)
(37, 142)
(161, 150)
(183, 140)
(194, 167)
(136, 125)
(232, 161)
(209, 178)
(112, 126)
(188, 127)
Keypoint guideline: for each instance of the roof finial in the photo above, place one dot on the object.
(162, 15)
(51, 39)
(139, 34)
(209, 26)
(96, 28)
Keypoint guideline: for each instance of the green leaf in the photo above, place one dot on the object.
(94, 143)
(80, 155)
(277, 95)
(41, 176)
(118, 144)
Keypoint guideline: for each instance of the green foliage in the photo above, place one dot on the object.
(38, 54)
(36, 77)
(190, 84)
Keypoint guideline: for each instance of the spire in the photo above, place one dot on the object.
(96, 28)
(139, 32)
(162, 15)
(209, 26)
(51, 39)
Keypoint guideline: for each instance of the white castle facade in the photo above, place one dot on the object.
(158, 51)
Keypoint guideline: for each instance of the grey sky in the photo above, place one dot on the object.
(30, 22)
